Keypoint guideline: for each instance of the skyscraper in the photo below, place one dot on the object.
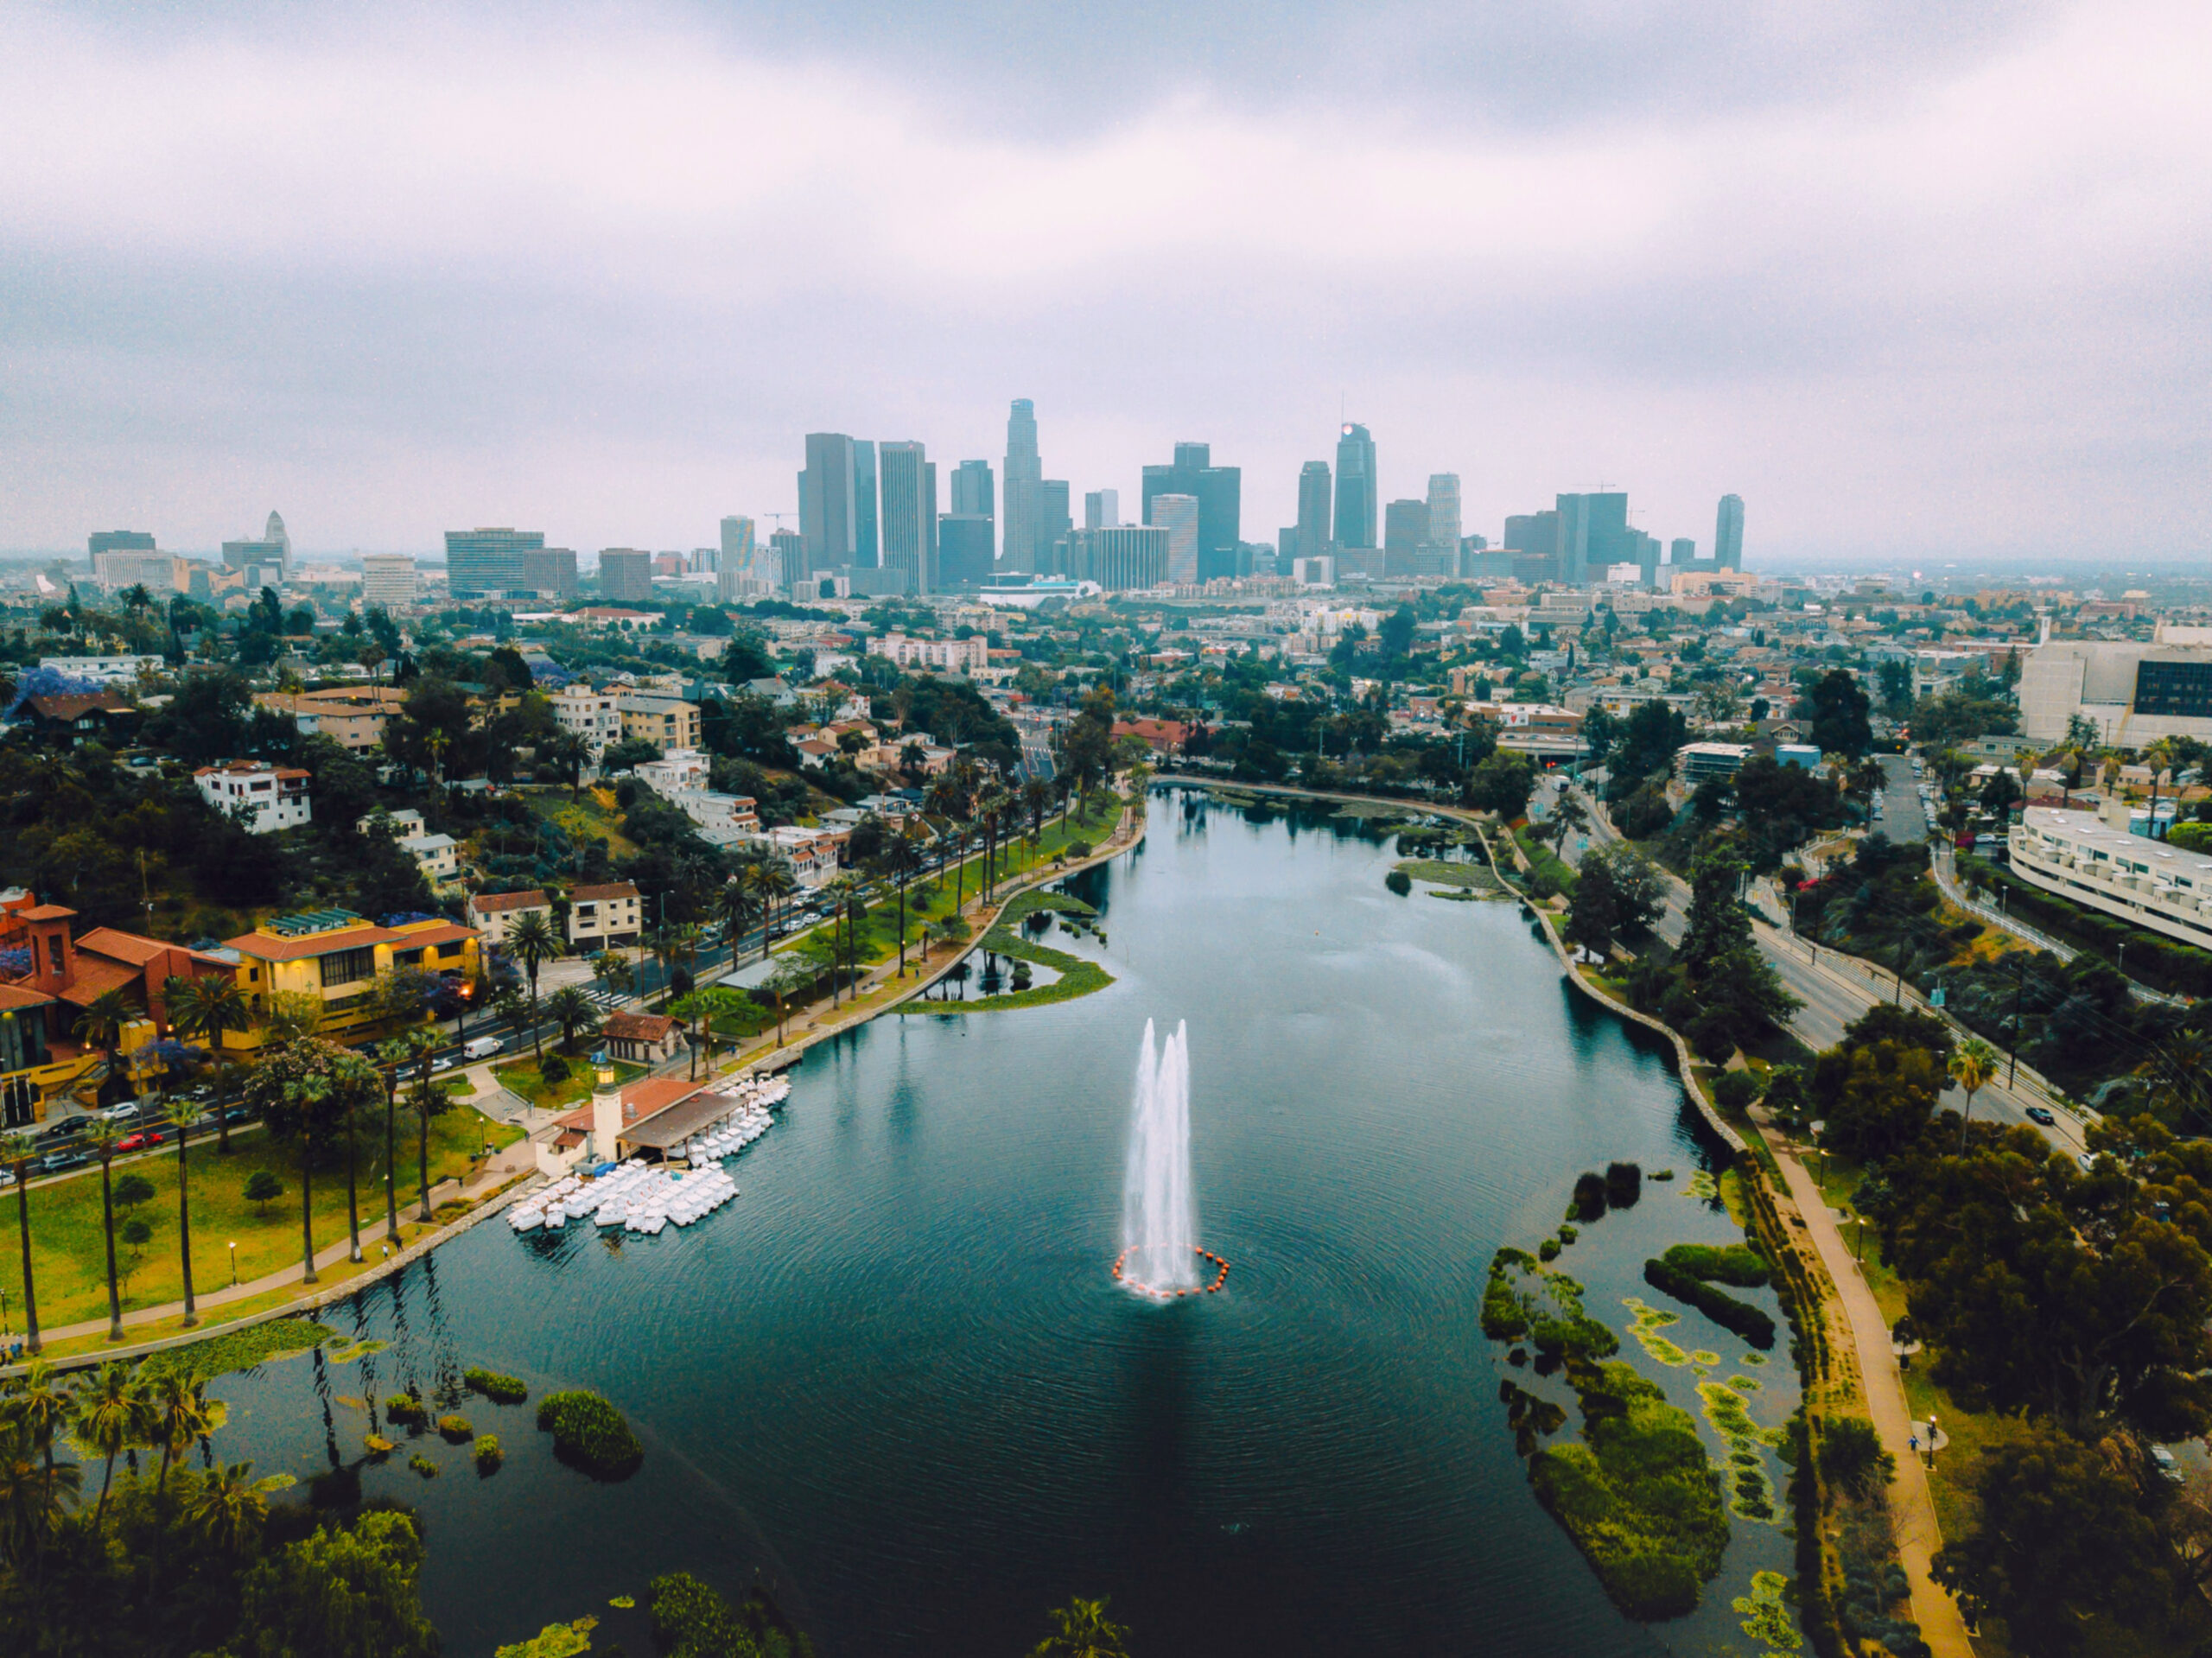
(1102, 509)
(479, 562)
(387, 579)
(1444, 510)
(625, 575)
(1728, 534)
(963, 551)
(787, 557)
(1681, 550)
(119, 541)
(867, 542)
(1405, 532)
(974, 493)
(1178, 515)
(909, 502)
(739, 547)
(1356, 496)
(274, 531)
(829, 508)
(1054, 522)
(272, 551)
(1315, 534)
(1025, 476)
(1119, 557)
(1593, 535)
(1219, 493)
(550, 572)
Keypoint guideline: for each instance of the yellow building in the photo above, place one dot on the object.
(665, 721)
(335, 956)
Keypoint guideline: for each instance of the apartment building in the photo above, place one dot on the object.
(590, 714)
(2092, 859)
(335, 956)
(603, 916)
(495, 914)
(274, 797)
(352, 716)
(665, 721)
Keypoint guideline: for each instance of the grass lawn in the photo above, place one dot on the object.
(520, 1076)
(68, 1252)
(1078, 976)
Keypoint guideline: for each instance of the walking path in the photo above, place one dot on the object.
(1911, 1510)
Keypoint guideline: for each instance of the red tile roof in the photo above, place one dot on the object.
(15, 995)
(268, 947)
(638, 1027)
(95, 977)
(594, 894)
(498, 903)
(122, 946)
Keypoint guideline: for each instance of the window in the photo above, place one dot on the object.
(348, 967)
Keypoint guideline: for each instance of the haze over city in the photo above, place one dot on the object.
(1916, 286)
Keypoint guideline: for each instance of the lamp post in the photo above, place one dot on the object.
(234, 1266)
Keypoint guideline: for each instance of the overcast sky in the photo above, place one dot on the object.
(1916, 281)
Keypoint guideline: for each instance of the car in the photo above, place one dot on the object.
(2042, 1113)
(127, 1111)
(2168, 1465)
(441, 1063)
(144, 1140)
(239, 1114)
(54, 1162)
(2086, 1163)
(67, 1129)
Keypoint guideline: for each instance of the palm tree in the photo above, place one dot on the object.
(228, 1509)
(2179, 1070)
(1036, 801)
(313, 1092)
(33, 1501)
(206, 1009)
(180, 1113)
(901, 856)
(787, 980)
(44, 1405)
(1081, 1629)
(736, 905)
(573, 1011)
(1971, 1066)
(181, 1413)
(532, 941)
(101, 1025)
(842, 892)
(101, 1137)
(19, 1154)
(612, 972)
(110, 1414)
(777, 883)
(424, 1097)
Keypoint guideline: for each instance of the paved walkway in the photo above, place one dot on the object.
(1911, 1510)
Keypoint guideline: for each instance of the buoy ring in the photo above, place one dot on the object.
(1158, 1295)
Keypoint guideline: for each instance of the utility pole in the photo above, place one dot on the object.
(2019, 986)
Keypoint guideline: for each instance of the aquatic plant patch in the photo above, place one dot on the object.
(1735, 1263)
(1647, 1323)
(1739, 1318)
(1523, 1299)
(1766, 1615)
(237, 1349)
(1751, 1495)
(500, 1389)
(591, 1435)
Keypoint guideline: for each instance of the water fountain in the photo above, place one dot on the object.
(1159, 1253)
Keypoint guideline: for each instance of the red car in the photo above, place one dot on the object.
(144, 1140)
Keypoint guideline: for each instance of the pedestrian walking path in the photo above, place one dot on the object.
(1912, 1510)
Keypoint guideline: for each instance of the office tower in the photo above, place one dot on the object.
(1315, 535)
(963, 551)
(1647, 556)
(974, 491)
(119, 541)
(1121, 557)
(482, 563)
(739, 547)
(550, 572)
(1219, 493)
(387, 579)
(929, 529)
(909, 508)
(867, 544)
(787, 559)
(1178, 515)
(1025, 477)
(1102, 509)
(828, 507)
(625, 575)
(1444, 510)
(1593, 535)
(1681, 550)
(668, 563)
(1728, 534)
(274, 531)
(1053, 520)
(272, 552)
(158, 572)
(1405, 532)
(1356, 494)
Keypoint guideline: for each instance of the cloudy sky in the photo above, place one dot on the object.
(1919, 281)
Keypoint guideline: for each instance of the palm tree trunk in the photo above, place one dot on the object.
(423, 1161)
(23, 1225)
(352, 1202)
(902, 924)
(184, 1242)
(107, 1215)
(222, 1103)
(391, 1163)
(536, 1046)
(307, 1209)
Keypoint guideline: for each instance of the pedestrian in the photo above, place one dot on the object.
(1916, 1444)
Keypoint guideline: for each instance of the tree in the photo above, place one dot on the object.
(1593, 915)
(207, 1008)
(532, 942)
(1082, 1630)
(1717, 926)
(785, 980)
(228, 1509)
(1639, 885)
(182, 1114)
(1971, 1067)
(1838, 709)
(262, 1188)
(108, 1416)
(341, 1592)
(101, 1138)
(573, 1011)
(1396, 634)
(1502, 783)
(101, 1025)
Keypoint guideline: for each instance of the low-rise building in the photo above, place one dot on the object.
(495, 914)
(674, 771)
(108, 670)
(2092, 859)
(266, 798)
(602, 916)
(642, 1039)
(1694, 763)
(665, 721)
(335, 956)
(944, 656)
(593, 715)
(352, 716)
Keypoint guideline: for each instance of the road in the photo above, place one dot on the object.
(1835, 989)
(1900, 815)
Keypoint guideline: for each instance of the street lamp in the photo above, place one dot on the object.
(234, 1266)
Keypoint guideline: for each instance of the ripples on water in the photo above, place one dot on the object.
(895, 1376)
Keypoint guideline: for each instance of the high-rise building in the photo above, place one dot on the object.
(1444, 510)
(1681, 550)
(1178, 515)
(1053, 521)
(550, 572)
(484, 563)
(1102, 509)
(1728, 534)
(387, 579)
(1219, 493)
(625, 575)
(738, 546)
(1405, 533)
(1356, 491)
(1024, 479)
(272, 552)
(1595, 535)
(829, 502)
(158, 572)
(1121, 558)
(787, 558)
(963, 551)
(119, 541)
(909, 508)
(274, 531)
(1315, 533)
(974, 493)
(867, 542)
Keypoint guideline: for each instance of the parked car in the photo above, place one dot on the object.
(483, 1047)
(239, 1114)
(144, 1140)
(127, 1111)
(2168, 1465)
(2042, 1114)
(67, 1129)
(443, 1062)
(70, 1158)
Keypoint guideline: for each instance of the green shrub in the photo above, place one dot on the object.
(1734, 1090)
(1851, 1457)
(589, 1433)
(423, 1466)
(500, 1389)
(262, 1188)
(405, 1408)
(1724, 1310)
(1505, 1310)
(1735, 1263)
(455, 1430)
(1589, 1197)
(1568, 1235)
(133, 1189)
(1078, 848)
(553, 1071)
(1399, 882)
(1624, 1183)
(1549, 1249)
(488, 1454)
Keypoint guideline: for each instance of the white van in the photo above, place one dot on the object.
(482, 1047)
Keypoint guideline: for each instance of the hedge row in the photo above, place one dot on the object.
(2178, 970)
(1724, 1310)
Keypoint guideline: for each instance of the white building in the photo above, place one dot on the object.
(947, 656)
(1696, 762)
(675, 771)
(1178, 515)
(711, 810)
(276, 796)
(603, 916)
(109, 670)
(387, 579)
(436, 855)
(2133, 693)
(593, 715)
(2091, 858)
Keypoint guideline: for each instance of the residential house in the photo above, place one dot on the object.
(495, 914)
(602, 916)
(66, 720)
(270, 797)
(352, 716)
(642, 1039)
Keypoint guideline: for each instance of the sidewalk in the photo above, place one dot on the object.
(1911, 1510)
